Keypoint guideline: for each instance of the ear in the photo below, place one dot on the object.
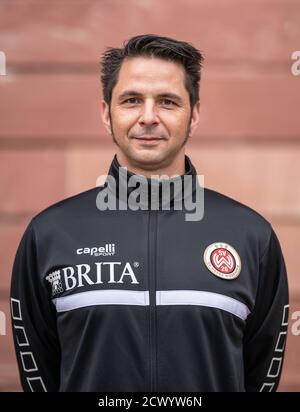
(195, 118)
(105, 115)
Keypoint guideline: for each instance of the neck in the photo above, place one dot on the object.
(167, 168)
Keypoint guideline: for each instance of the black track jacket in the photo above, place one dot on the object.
(144, 300)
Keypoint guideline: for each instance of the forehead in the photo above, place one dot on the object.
(151, 74)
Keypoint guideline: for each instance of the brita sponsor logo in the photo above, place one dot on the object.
(84, 275)
(108, 250)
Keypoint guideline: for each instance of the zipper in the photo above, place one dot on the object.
(152, 297)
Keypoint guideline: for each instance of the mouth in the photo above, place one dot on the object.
(148, 140)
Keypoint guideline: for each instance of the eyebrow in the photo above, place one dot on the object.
(169, 95)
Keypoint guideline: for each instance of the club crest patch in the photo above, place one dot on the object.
(222, 260)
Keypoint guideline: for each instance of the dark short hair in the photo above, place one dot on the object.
(153, 46)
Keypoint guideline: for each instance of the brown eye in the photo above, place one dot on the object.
(168, 102)
(131, 100)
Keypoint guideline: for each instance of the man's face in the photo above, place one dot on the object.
(150, 115)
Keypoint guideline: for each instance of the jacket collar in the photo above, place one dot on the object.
(154, 193)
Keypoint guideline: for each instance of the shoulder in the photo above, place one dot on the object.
(219, 202)
(236, 217)
(69, 209)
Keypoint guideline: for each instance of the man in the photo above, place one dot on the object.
(127, 298)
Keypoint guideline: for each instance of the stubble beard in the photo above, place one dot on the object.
(187, 134)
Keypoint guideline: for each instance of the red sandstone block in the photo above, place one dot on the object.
(45, 106)
(32, 180)
(10, 236)
(78, 31)
(289, 235)
(86, 164)
(262, 176)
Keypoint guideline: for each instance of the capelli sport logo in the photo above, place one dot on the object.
(107, 250)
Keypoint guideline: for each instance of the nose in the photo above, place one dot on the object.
(148, 115)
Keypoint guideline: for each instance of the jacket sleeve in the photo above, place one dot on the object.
(266, 329)
(33, 321)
